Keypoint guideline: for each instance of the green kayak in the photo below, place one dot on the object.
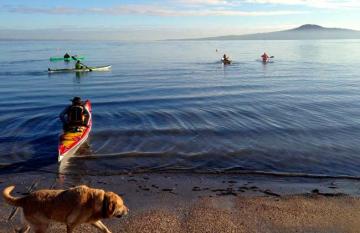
(67, 59)
(95, 68)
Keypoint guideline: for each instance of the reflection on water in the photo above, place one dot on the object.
(69, 166)
(80, 75)
(70, 172)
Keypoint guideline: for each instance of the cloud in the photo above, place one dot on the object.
(191, 8)
(325, 4)
(210, 2)
(147, 10)
(31, 10)
(205, 2)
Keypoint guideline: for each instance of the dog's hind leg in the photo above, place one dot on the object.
(40, 228)
(69, 228)
(25, 226)
(99, 225)
(24, 229)
(38, 223)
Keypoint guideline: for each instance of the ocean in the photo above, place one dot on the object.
(171, 106)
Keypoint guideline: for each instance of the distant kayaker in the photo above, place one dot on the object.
(66, 56)
(265, 57)
(225, 59)
(78, 65)
(75, 115)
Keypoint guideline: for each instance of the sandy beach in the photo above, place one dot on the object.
(210, 203)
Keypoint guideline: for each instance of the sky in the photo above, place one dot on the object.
(167, 19)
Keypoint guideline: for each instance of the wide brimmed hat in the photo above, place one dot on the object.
(76, 100)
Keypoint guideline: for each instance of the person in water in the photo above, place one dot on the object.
(78, 65)
(225, 59)
(265, 57)
(75, 115)
(66, 56)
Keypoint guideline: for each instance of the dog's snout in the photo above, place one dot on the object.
(124, 212)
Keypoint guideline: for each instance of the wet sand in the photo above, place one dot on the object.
(210, 203)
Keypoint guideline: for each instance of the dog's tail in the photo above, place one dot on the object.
(15, 201)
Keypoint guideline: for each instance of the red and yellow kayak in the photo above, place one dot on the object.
(70, 141)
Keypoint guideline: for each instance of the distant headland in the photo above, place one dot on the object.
(304, 32)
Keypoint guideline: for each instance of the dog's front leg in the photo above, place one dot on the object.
(99, 225)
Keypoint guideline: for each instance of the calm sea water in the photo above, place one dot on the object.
(171, 106)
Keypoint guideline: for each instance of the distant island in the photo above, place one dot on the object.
(304, 32)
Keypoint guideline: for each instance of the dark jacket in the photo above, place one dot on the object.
(64, 116)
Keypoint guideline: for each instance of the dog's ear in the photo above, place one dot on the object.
(111, 208)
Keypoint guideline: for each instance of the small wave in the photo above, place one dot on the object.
(25, 61)
(30, 165)
(72, 168)
(292, 174)
(23, 73)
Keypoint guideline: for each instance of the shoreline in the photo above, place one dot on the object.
(172, 202)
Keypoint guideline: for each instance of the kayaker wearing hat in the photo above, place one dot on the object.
(75, 115)
(66, 56)
(78, 65)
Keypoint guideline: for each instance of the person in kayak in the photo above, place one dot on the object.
(78, 65)
(265, 57)
(225, 59)
(66, 56)
(75, 115)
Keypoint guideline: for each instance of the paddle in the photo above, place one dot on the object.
(225, 59)
(73, 57)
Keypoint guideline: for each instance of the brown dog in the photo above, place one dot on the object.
(73, 206)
